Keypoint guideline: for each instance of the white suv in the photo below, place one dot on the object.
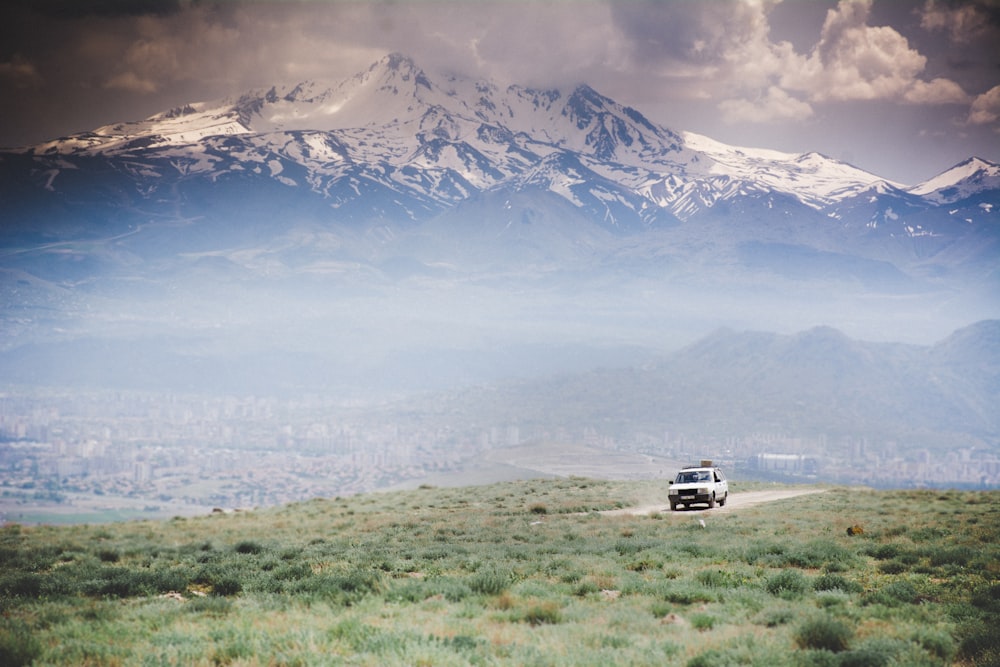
(704, 485)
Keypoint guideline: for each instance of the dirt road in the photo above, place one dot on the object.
(736, 501)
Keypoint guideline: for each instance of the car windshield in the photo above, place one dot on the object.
(693, 476)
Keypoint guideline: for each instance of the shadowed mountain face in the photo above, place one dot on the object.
(403, 230)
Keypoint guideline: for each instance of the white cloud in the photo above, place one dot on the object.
(985, 108)
(936, 91)
(856, 61)
(726, 51)
(774, 105)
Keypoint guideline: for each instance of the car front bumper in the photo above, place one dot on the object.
(690, 496)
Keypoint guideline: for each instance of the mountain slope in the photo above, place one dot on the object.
(411, 211)
(964, 180)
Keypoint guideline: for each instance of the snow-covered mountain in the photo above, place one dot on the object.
(428, 143)
(963, 181)
(398, 179)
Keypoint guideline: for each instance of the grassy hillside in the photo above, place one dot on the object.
(519, 573)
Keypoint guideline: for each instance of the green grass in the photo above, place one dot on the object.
(483, 576)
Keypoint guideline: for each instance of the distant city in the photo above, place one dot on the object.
(133, 454)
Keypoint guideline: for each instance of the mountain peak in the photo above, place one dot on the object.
(585, 93)
(397, 60)
(965, 179)
(402, 66)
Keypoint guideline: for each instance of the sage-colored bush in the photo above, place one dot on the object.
(831, 582)
(788, 584)
(824, 633)
(491, 580)
(19, 647)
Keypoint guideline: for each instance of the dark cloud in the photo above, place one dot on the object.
(75, 9)
(962, 20)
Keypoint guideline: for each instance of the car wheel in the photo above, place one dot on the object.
(711, 502)
(725, 497)
(673, 507)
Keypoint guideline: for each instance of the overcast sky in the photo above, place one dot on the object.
(901, 88)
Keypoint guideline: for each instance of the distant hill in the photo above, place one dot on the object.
(815, 382)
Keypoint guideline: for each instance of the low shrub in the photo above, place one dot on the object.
(884, 551)
(227, 586)
(18, 646)
(412, 590)
(687, 595)
(825, 633)
(491, 580)
(628, 546)
(693, 549)
(762, 553)
(987, 598)
(892, 567)
(835, 582)
(21, 584)
(883, 652)
(817, 554)
(570, 576)
(542, 613)
(774, 617)
(123, 582)
(343, 588)
(248, 547)
(644, 564)
(981, 647)
(937, 643)
(834, 598)
(661, 609)
(452, 590)
(720, 578)
(108, 555)
(893, 594)
(957, 557)
(703, 621)
(788, 584)
(710, 658)
(292, 572)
